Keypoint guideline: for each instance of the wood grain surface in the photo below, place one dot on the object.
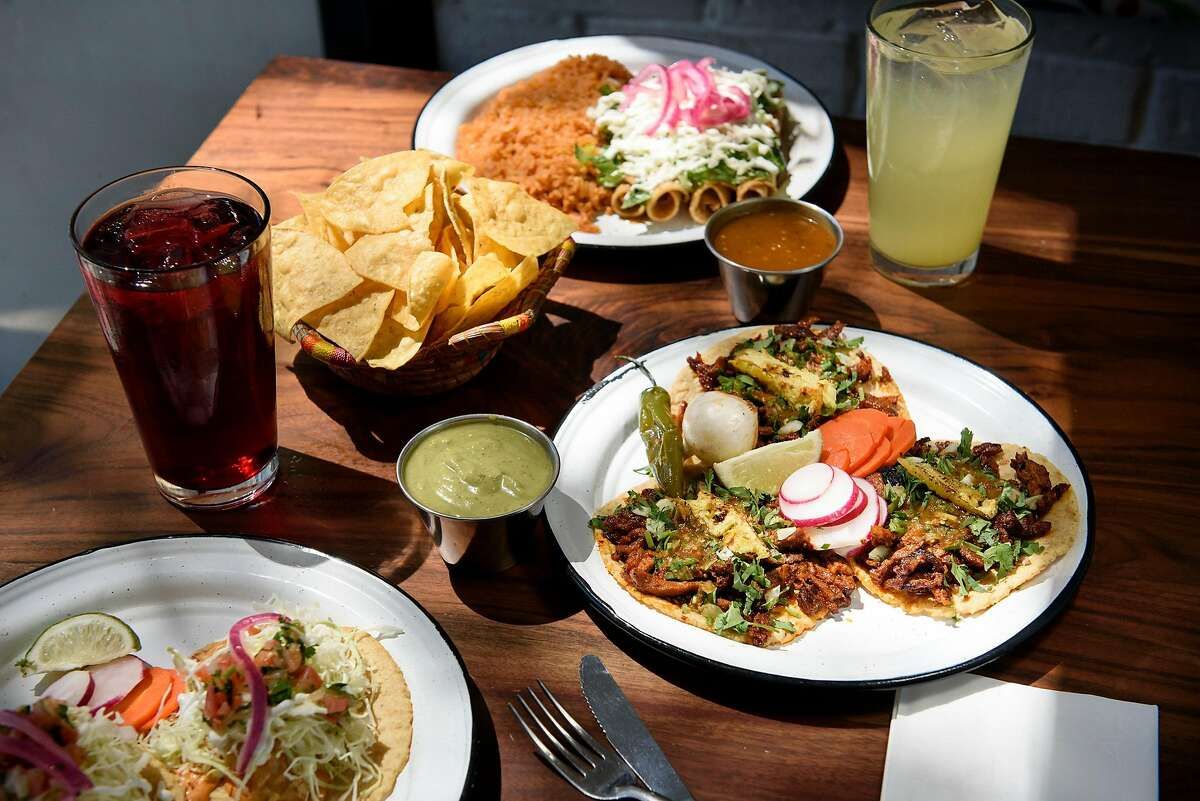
(1087, 297)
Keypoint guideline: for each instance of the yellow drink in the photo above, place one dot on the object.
(942, 86)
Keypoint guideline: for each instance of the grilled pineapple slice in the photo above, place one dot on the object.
(801, 388)
(733, 529)
(949, 488)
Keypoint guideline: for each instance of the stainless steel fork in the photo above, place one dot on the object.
(591, 768)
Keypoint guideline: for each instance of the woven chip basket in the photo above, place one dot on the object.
(452, 362)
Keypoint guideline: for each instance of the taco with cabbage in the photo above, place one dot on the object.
(288, 708)
(50, 751)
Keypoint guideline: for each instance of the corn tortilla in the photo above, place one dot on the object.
(687, 386)
(1064, 528)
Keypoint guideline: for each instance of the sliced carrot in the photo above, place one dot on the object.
(839, 458)
(149, 700)
(903, 438)
(875, 461)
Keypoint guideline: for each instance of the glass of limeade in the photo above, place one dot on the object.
(942, 86)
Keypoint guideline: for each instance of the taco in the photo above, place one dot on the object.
(54, 752)
(710, 560)
(336, 716)
(797, 376)
(968, 525)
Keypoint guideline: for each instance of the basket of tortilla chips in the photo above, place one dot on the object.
(407, 273)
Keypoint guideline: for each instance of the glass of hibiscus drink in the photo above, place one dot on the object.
(177, 263)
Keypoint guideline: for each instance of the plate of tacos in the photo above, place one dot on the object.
(219, 667)
(820, 504)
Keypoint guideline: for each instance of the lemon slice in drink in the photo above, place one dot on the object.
(764, 469)
(80, 640)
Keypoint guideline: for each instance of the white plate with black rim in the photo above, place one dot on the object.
(871, 644)
(186, 591)
(462, 98)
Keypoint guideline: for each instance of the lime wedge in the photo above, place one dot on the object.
(764, 469)
(80, 640)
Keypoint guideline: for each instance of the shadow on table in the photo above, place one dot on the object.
(833, 708)
(536, 376)
(483, 781)
(321, 504)
(833, 304)
(536, 590)
(1025, 299)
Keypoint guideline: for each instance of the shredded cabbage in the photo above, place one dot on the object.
(331, 760)
(731, 152)
(114, 759)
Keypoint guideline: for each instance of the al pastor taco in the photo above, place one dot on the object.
(50, 751)
(797, 376)
(289, 708)
(710, 560)
(968, 525)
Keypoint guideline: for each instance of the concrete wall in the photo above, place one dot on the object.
(92, 90)
(1107, 80)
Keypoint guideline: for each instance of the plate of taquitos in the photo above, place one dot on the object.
(984, 524)
(639, 138)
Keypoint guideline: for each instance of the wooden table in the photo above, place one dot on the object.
(1087, 297)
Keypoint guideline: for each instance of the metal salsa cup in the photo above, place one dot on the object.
(479, 544)
(770, 296)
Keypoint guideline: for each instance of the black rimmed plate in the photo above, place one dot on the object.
(871, 644)
(186, 591)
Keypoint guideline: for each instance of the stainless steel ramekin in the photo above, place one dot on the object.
(479, 544)
(770, 296)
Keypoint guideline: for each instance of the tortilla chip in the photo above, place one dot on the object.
(1065, 525)
(487, 245)
(431, 274)
(513, 218)
(387, 258)
(307, 274)
(526, 272)
(371, 196)
(297, 223)
(481, 276)
(353, 321)
(490, 303)
(396, 345)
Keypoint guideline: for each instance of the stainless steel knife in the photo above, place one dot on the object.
(625, 730)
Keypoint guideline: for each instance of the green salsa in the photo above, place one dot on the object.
(478, 469)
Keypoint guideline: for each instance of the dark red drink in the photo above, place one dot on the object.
(180, 279)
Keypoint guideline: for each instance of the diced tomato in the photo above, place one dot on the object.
(307, 680)
(335, 703)
(269, 656)
(293, 658)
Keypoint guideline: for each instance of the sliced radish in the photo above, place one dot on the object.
(848, 533)
(882, 510)
(836, 502)
(807, 484)
(73, 688)
(113, 681)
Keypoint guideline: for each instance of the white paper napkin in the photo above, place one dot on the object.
(970, 738)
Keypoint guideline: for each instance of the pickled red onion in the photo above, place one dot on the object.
(680, 82)
(254, 680)
(71, 779)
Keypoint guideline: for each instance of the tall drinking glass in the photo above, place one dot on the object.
(177, 263)
(942, 86)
